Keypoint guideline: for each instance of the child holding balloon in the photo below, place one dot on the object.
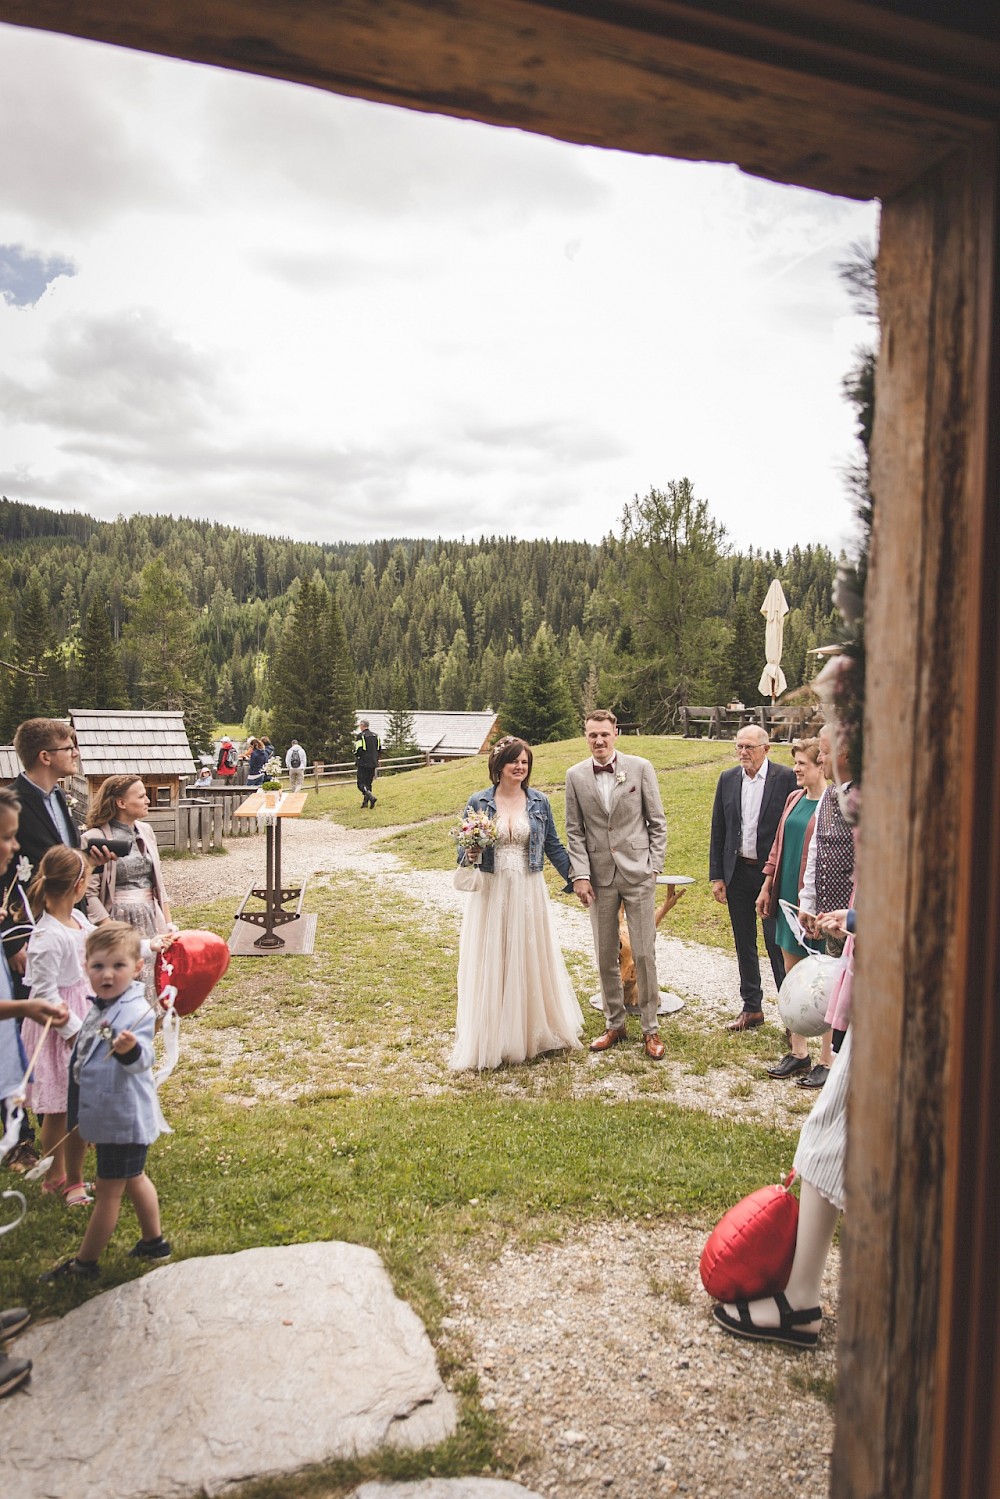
(113, 1097)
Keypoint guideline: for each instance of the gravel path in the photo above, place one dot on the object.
(599, 1352)
(705, 977)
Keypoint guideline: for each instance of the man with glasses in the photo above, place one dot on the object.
(46, 747)
(749, 800)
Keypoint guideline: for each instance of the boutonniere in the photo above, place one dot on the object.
(23, 871)
(620, 778)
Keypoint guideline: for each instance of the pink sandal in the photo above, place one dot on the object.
(76, 1195)
(54, 1184)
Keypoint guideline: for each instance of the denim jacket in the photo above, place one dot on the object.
(542, 839)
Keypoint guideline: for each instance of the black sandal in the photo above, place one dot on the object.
(744, 1326)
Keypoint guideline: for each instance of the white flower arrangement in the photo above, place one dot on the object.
(23, 871)
(272, 774)
(620, 778)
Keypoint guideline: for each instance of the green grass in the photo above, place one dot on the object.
(313, 1101)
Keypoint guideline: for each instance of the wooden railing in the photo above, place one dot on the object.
(721, 722)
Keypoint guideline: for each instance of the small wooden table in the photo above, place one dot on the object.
(273, 893)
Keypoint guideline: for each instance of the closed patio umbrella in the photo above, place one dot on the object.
(774, 608)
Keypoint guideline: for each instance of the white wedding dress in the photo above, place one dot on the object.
(515, 998)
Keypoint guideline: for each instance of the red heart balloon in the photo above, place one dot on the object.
(193, 964)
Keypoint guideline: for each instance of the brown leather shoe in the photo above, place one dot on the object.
(653, 1047)
(748, 1021)
(611, 1037)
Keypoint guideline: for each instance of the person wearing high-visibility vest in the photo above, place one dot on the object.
(367, 749)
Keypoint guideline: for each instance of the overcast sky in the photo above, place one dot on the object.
(223, 296)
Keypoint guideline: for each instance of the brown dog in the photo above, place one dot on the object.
(626, 962)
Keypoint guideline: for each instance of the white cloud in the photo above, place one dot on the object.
(299, 312)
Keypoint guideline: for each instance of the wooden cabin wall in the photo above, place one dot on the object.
(859, 99)
(923, 800)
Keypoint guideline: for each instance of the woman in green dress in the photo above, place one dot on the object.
(783, 873)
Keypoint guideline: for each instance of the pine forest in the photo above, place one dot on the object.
(156, 611)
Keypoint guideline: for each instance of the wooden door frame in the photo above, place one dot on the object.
(861, 99)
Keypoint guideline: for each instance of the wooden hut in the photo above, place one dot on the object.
(152, 745)
(10, 765)
(899, 100)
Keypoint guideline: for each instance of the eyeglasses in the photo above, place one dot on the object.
(63, 749)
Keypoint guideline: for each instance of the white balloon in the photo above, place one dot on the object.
(804, 997)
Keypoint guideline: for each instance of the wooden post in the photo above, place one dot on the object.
(926, 988)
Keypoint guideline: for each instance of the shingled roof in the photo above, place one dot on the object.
(446, 734)
(117, 743)
(10, 765)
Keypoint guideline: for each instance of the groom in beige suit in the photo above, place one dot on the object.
(617, 838)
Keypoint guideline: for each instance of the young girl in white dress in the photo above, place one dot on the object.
(515, 998)
(55, 973)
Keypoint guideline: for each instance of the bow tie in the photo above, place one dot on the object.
(607, 770)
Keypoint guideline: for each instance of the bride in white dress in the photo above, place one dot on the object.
(515, 998)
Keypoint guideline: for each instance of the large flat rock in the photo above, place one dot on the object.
(446, 1488)
(216, 1371)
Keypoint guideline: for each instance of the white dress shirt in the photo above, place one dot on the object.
(605, 782)
(751, 796)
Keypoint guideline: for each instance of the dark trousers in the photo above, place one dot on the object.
(366, 774)
(741, 895)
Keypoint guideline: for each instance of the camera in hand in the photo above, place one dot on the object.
(119, 846)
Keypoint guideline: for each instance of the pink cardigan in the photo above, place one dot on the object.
(773, 862)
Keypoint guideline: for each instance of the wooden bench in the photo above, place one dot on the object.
(693, 720)
(785, 724)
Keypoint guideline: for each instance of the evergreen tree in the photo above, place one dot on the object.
(400, 734)
(453, 689)
(160, 638)
(299, 707)
(672, 550)
(312, 680)
(34, 638)
(538, 706)
(18, 704)
(745, 653)
(341, 685)
(100, 681)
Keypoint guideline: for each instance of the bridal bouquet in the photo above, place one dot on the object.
(475, 830)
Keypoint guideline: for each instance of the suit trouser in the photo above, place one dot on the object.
(741, 897)
(640, 913)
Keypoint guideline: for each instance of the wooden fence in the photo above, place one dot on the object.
(720, 722)
(202, 819)
(196, 825)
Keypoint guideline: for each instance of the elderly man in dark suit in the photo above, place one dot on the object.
(749, 800)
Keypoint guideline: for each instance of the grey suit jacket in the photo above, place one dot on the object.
(629, 838)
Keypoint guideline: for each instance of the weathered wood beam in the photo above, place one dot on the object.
(929, 802)
(823, 93)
